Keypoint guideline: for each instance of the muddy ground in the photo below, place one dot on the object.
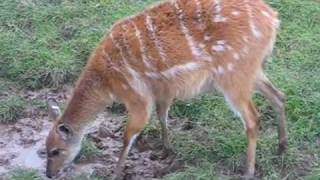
(22, 145)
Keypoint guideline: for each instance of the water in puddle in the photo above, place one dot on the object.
(20, 144)
(29, 158)
(14, 152)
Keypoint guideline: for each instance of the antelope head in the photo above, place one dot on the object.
(62, 144)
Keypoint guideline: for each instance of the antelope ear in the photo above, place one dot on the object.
(64, 131)
(53, 108)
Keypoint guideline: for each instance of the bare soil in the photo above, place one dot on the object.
(22, 145)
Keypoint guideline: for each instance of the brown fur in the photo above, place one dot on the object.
(179, 49)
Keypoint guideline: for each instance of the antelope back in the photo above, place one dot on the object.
(181, 48)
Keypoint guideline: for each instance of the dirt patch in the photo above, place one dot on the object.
(22, 145)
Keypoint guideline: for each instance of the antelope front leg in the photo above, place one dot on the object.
(162, 110)
(138, 117)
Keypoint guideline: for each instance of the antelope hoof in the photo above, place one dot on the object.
(248, 176)
(118, 173)
(249, 173)
(169, 151)
(283, 146)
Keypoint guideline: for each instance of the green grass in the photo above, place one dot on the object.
(88, 151)
(315, 175)
(32, 174)
(85, 177)
(11, 108)
(23, 174)
(46, 43)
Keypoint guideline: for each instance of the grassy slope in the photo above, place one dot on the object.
(45, 43)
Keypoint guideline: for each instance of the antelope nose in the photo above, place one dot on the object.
(49, 175)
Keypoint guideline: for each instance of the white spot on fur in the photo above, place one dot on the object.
(253, 27)
(218, 6)
(137, 82)
(111, 96)
(201, 45)
(207, 37)
(218, 17)
(245, 50)
(143, 49)
(118, 47)
(172, 72)
(245, 39)
(265, 13)
(220, 70)
(221, 42)
(191, 42)
(126, 44)
(235, 111)
(108, 59)
(230, 67)
(255, 30)
(235, 13)
(124, 86)
(152, 29)
(236, 56)
(218, 48)
(276, 23)
(199, 12)
(152, 75)
(229, 47)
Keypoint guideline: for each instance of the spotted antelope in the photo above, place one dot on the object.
(174, 50)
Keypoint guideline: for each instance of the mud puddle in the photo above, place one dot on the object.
(22, 145)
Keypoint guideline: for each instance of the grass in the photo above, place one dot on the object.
(32, 174)
(11, 108)
(88, 151)
(23, 174)
(46, 43)
(84, 177)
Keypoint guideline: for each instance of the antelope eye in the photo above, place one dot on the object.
(54, 152)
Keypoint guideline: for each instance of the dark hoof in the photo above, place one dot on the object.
(248, 176)
(282, 147)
